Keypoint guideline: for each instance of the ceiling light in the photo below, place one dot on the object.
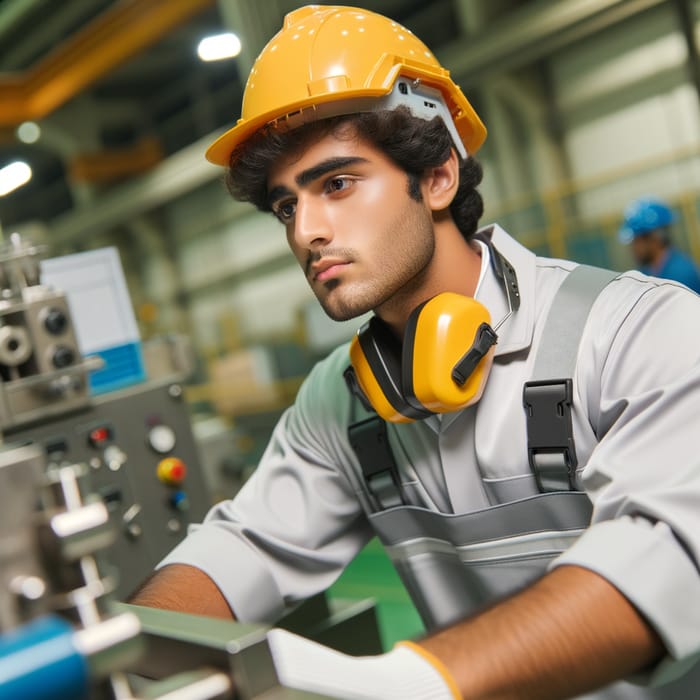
(28, 132)
(13, 176)
(219, 46)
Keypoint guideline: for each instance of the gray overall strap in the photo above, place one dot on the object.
(547, 397)
(370, 441)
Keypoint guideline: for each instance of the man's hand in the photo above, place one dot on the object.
(406, 673)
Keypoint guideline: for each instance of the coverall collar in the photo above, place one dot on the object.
(517, 331)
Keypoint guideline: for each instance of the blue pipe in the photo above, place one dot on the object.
(38, 661)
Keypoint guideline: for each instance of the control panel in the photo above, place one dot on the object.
(142, 461)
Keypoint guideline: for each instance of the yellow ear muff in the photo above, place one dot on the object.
(442, 366)
(447, 353)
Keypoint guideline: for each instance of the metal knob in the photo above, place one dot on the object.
(55, 321)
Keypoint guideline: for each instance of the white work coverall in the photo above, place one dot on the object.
(303, 515)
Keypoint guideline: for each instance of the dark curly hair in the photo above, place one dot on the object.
(413, 144)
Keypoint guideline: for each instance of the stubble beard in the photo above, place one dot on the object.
(401, 277)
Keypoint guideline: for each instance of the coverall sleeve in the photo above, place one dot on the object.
(297, 522)
(639, 373)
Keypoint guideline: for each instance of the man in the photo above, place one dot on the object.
(647, 230)
(536, 578)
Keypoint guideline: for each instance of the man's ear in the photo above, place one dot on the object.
(440, 183)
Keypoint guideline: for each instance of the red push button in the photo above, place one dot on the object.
(171, 471)
(100, 436)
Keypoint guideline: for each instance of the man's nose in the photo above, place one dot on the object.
(312, 228)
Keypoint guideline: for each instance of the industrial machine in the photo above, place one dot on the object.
(61, 635)
(42, 371)
(136, 443)
(94, 490)
(141, 460)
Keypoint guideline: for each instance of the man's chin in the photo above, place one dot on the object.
(343, 313)
(344, 305)
(340, 317)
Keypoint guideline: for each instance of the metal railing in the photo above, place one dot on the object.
(579, 219)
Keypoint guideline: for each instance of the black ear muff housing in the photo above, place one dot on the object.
(375, 355)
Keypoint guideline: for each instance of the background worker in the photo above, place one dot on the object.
(646, 228)
(539, 573)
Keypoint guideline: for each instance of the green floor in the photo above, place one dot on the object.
(371, 575)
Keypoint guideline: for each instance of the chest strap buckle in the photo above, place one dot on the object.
(550, 436)
(370, 441)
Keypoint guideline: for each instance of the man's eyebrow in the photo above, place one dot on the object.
(313, 173)
(326, 166)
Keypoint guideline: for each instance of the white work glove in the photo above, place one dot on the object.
(408, 672)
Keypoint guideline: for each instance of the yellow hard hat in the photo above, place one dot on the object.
(330, 59)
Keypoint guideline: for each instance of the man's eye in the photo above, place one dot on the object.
(336, 184)
(285, 211)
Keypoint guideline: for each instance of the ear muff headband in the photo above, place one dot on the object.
(447, 353)
(445, 359)
(376, 361)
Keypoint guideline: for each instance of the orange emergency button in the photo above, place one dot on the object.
(171, 471)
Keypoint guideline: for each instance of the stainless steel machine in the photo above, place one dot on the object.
(42, 370)
(61, 635)
(136, 443)
(141, 459)
(94, 490)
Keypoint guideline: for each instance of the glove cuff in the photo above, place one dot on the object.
(436, 663)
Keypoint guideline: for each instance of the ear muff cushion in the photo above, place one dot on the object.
(375, 355)
(438, 334)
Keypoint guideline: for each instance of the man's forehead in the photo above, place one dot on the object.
(314, 151)
(314, 135)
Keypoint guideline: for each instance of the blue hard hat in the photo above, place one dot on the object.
(644, 215)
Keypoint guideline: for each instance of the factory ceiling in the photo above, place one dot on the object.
(117, 88)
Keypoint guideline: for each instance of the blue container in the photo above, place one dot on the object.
(39, 662)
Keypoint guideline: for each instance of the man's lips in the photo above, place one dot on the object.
(327, 269)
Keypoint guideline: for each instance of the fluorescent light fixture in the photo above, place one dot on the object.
(28, 132)
(219, 46)
(13, 176)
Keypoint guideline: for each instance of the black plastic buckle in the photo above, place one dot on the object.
(355, 389)
(370, 441)
(550, 437)
(483, 342)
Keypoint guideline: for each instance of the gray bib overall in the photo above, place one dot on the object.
(453, 565)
